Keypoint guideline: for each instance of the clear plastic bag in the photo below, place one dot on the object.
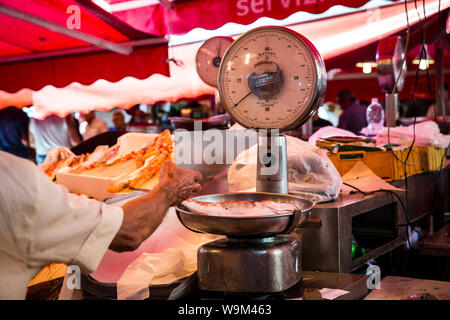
(426, 134)
(311, 173)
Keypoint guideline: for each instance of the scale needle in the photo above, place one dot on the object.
(242, 99)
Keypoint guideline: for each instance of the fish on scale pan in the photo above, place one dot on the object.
(240, 208)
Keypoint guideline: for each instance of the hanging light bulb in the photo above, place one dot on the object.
(424, 64)
(425, 61)
(366, 66)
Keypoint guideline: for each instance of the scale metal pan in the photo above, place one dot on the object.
(246, 227)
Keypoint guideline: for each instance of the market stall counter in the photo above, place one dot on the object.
(314, 286)
(373, 222)
(400, 288)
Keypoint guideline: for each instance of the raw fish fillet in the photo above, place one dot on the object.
(240, 208)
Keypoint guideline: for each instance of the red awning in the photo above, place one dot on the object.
(83, 68)
(32, 56)
(59, 42)
(186, 15)
(19, 37)
(185, 82)
(346, 45)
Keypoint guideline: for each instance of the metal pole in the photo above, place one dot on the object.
(79, 50)
(391, 109)
(441, 105)
(271, 165)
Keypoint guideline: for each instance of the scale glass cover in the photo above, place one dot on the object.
(207, 60)
(390, 64)
(271, 78)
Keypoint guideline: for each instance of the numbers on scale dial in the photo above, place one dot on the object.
(268, 79)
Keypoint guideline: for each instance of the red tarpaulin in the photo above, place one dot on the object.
(17, 36)
(212, 14)
(347, 44)
(32, 56)
(185, 83)
(83, 68)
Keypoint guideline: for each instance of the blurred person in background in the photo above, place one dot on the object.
(118, 119)
(137, 115)
(76, 124)
(53, 132)
(14, 131)
(331, 112)
(353, 117)
(94, 125)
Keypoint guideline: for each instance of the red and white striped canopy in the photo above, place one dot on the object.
(341, 40)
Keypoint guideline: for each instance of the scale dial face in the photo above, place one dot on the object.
(209, 56)
(271, 78)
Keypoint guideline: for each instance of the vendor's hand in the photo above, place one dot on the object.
(178, 184)
(55, 155)
(143, 215)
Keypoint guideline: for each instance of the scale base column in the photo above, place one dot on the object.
(250, 265)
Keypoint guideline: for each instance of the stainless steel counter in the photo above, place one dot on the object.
(374, 219)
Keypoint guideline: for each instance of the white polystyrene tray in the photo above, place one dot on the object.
(133, 141)
(97, 186)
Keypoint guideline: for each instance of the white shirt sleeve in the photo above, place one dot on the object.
(41, 222)
(69, 228)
